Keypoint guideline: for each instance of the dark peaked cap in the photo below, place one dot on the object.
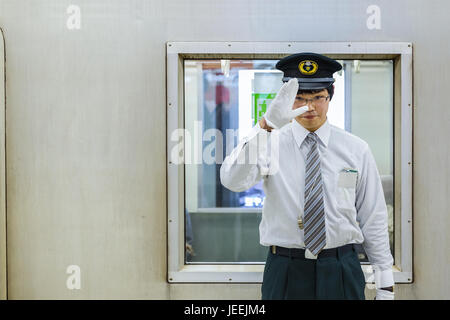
(313, 71)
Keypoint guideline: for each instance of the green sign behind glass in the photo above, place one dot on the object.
(260, 104)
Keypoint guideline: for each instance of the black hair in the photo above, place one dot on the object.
(330, 90)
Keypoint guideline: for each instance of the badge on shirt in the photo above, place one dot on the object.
(347, 178)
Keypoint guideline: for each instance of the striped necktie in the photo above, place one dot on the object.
(314, 214)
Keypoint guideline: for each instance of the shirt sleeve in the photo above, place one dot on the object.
(373, 221)
(248, 163)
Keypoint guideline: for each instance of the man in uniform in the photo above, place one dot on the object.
(323, 192)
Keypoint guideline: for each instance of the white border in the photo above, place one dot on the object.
(252, 273)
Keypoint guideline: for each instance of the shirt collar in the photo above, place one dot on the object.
(300, 132)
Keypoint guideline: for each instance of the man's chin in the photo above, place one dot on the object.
(310, 124)
(307, 122)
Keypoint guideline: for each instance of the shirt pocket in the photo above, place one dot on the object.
(346, 190)
(346, 207)
(346, 198)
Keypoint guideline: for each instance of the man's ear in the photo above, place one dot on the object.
(333, 92)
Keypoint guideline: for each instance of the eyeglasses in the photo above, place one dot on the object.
(317, 100)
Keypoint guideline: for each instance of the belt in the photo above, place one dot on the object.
(300, 253)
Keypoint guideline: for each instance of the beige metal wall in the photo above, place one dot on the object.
(86, 123)
(3, 276)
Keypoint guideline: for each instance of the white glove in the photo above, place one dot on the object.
(384, 295)
(279, 112)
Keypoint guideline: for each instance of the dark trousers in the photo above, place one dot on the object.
(339, 277)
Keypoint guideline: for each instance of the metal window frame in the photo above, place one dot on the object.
(399, 52)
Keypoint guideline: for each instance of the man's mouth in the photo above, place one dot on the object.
(309, 117)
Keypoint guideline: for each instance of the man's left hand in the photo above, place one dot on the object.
(383, 294)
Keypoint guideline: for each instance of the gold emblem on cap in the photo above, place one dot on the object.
(308, 67)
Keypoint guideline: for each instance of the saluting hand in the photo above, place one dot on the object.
(280, 112)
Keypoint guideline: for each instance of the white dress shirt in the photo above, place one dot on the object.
(355, 208)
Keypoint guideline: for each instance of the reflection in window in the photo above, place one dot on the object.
(223, 100)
